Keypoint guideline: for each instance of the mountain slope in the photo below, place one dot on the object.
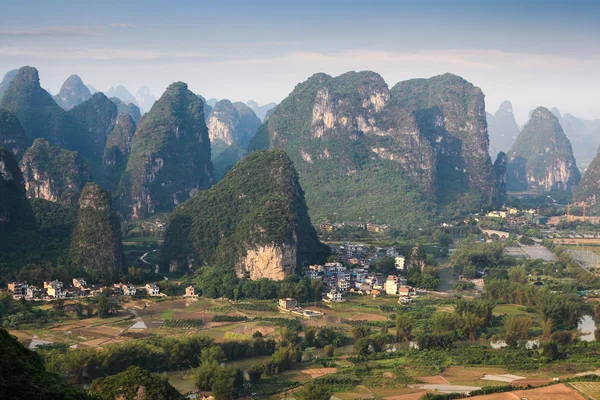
(170, 155)
(116, 152)
(144, 98)
(451, 113)
(130, 109)
(53, 173)
(37, 111)
(5, 83)
(12, 135)
(541, 159)
(96, 243)
(260, 111)
(588, 190)
(17, 223)
(73, 92)
(502, 128)
(254, 221)
(123, 94)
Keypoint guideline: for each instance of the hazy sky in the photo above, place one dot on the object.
(530, 52)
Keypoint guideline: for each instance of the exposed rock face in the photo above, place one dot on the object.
(271, 261)
(94, 120)
(118, 147)
(17, 223)
(91, 88)
(500, 175)
(260, 111)
(96, 244)
(123, 94)
(451, 114)
(254, 221)
(588, 190)
(584, 136)
(144, 98)
(130, 109)
(37, 111)
(503, 129)
(232, 124)
(424, 141)
(12, 135)
(6, 81)
(542, 158)
(230, 128)
(170, 155)
(54, 174)
(73, 92)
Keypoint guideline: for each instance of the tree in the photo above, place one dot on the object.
(130, 383)
(255, 372)
(329, 350)
(361, 331)
(59, 307)
(516, 328)
(469, 323)
(223, 385)
(310, 333)
(326, 336)
(404, 327)
(315, 391)
(547, 325)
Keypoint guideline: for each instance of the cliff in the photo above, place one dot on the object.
(503, 129)
(170, 156)
(53, 173)
(5, 83)
(588, 190)
(541, 158)
(96, 243)
(116, 152)
(364, 152)
(12, 135)
(254, 221)
(72, 93)
(230, 128)
(93, 119)
(17, 223)
(451, 113)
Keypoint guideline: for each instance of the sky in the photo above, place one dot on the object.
(529, 52)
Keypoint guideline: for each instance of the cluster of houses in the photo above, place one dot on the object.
(366, 226)
(78, 288)
(339, 279)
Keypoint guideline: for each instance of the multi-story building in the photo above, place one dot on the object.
(190, 291)
(288, 304)
(152, 289)
(18, 289)
(55, 289)
(391, 285)
(79, 282)
(399, 262)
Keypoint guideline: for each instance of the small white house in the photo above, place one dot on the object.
(152, 289)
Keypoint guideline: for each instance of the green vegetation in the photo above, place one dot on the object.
(129, 383)
(23, 373)
(170, 155)
(96, 241)
(12, 135)
(542, 146)
(258, 203)
(184, 323)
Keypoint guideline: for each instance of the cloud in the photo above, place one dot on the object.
(45, 32)
(122, 25)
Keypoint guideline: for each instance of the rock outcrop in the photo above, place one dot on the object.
(12, 135)
(364, 152)
(500, 175)
(72, 93)
(37, 111)
(93, 119)
(123, 94)
(254, 221)
(96, 243)
(502, 128)
(588, 190)
(451, 113)
(170, 156)
(144, 98)
(130, 109)
(230, 128)
(53, 173)
(116, 153)
(541, 158)
(8, 77)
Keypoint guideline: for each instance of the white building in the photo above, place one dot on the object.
(152, 289)
(334, 297)
(399, 262)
